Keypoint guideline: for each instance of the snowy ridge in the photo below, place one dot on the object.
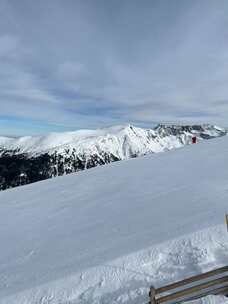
(105, 235)
(121, 141)
(30, 159)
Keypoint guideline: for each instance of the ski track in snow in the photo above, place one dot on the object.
(106, 235)
(127, 280)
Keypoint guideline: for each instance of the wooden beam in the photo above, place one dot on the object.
(152, 295)
(192, 279)
(216, 291)
(191, 290)
(227, 222)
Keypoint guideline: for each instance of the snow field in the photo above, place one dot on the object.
(106, 234)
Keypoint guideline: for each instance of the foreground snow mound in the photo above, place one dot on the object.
(106, 234)
(127, 279)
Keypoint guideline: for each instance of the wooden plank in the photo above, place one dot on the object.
(192, 279)
(215, 291)
(191, 290)
(152, 295)
(227, 221)
(221, 291)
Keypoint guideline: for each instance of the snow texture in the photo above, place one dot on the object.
(105, 235)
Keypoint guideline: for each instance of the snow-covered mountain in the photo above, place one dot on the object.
(29, 159)
(105, 235)
(121, 141)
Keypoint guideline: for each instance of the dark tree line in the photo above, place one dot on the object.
(19, 169)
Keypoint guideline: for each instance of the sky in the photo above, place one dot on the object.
(73, 64)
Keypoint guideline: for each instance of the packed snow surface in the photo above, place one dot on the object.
(105, 235)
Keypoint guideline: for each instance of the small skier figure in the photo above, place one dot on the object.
(194, 140)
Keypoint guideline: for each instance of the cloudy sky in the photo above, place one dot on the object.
(73, 64)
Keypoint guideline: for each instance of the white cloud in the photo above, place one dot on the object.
(89, 63)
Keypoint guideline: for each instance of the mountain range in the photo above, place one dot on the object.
(29, 159)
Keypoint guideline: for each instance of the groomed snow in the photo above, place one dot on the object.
(106, 234)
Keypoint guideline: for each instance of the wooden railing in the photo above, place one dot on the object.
(210, 283)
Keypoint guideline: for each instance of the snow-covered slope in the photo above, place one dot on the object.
(105, 235)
